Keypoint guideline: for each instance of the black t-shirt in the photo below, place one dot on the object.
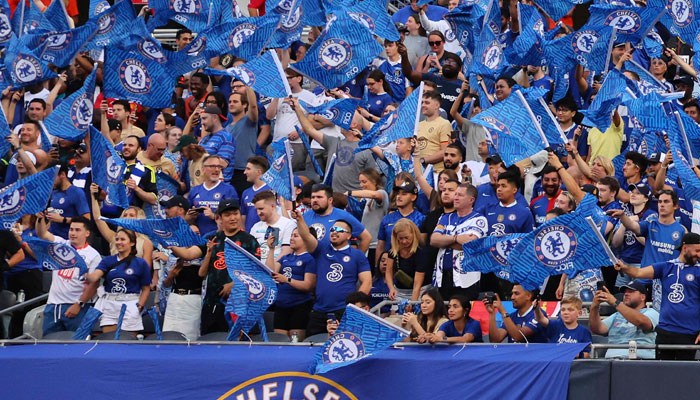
(188, 278)
(449, 90)
(8, 244)
(418, 262)
(147, 183)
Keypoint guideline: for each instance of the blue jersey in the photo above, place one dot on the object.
(200, 196)
(322, 224)
(222, 144)
(681, 296)
(379, 293)
(247, 206)
(541, 205)
(294, 266)
(377, 102)
(543, 83)
(613, 205)
(515, 218)
(472, 326)
(68, 204)
(557, 332)
(389, 220)
(631, 250)
(394, 75)
(124, 278)
(487, 198)
(337, 275)
(528, 320)
(662, 240)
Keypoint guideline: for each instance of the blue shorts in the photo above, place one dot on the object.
(55, 319)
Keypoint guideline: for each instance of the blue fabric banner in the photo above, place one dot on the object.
(193, 14)
(62, 46)
(290, 25)
(244, 37)
(682, 161)
(279, 177)
(114, 24)
(25, 65)
(72, 118)
(26, 196)
(57, 15)
(557, 9)
(489, 60)
(373, 15)
(263, 74)
(53, 256)
(307, 146)
(681, 17)
(527, 47)
(167, 188)
(338, 111)
(490, 254)
(632, 23)
(111, 177)
(607, 100)
(166, 232)
(91, 316)
(5, 23)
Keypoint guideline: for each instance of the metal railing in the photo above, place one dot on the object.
(24, 304)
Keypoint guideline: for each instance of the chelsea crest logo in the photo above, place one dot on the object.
(278, 165)
(58, 41)
(583, 41)
(493, 56)
(114, 170)
(134, 76)
(624, 21)
(343, 347)
(197, 46)
(334, 54)
(239, 35)
(682, 12)
(291, 21)
(496, 124)
(106, 23)
(331, 114)
(163, 234)
(555, 245)
(63, 255)
(256, 289)
(5, 28)
(150, 50)
(245, 75)
(186, 6)
(364, 19)
(11, 201)
(81, 111)
(502, 249)
(26, 69)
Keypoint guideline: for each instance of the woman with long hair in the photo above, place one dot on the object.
(379, 95)
(405, 272)
(380, 288)
(432, 316)
(461, 328)
(376, 206)
(172, 138)
(127, 280)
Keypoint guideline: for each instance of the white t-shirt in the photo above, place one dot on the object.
(285, 225)
(67, 285)
(477, 168)
(286, 118)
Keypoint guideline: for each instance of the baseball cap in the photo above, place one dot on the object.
(215, 110)
(407, 187)
(655, 157)
(176, 201)
(494, 159)
(81, 148)
(643, 189)
(634, 285)
(685, 79)
(298, 182)
(114, 125)
(588, 188)
(689, 238)
(184, 141)
(227, 205)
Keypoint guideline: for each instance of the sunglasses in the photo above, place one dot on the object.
(338, 229)
(439, 42)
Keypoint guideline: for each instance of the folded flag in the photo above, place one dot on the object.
(253, 292)
(557, 9)
(5, 131)
(330, 169)
(166, 232)
(338, 111)
(360, 334)
(111, 177)
(167, 188)
(54, 256)
(264, 74)
(193, 14)
(72, 118)
(156, 322)
(526, 49)
(57, 15)
(279, 177)
(26, 196)
(28, 18)
(683, 158)
(114, 23)
(25, 65)
(91, 316)
(632, 23)
(290, 25)
(356, 207)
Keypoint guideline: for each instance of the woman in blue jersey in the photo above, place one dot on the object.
(461, 328)
(379, 95)
(380, 289)
(295, 275)
(127, 280)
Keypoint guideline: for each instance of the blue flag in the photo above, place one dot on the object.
(592, 46)
(53, 256)
(166, 232)
(681, 17)
(193, 14)
(373, 15)
(545, 119)
(5, 131)
(57, 15)
(111, 177)
(490, 254)
(562, 62)
(647, 82)
(167, 188)
(356, 207)
(398, 124)
(465, 26)
(632, 23)
(342, 50)
(314, 12)
(307, 146)
(254, 290)
(120, 320)
(647, 114)
(5, 23)
(28, 19)
(25, 65)
(26, 196)
(279, 177)
(263, 74)
(131, 75)
(91, 316)
(156, 322)
(114, 24)
(338, 111)
(290, 25)
(527, 47)
(72, 118)
(489, 60)
(360, 334)
(607, 100)
(97, 7)
(682, 160)
(557, 9)
(244, 37)
(330, 169)
(62, 46)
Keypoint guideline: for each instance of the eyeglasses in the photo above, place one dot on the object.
(338, 229)
(214, 166)
(439, 42)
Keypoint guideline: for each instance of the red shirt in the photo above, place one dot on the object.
(71, 7)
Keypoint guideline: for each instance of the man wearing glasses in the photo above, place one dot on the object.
(205, 198)
(339, 267)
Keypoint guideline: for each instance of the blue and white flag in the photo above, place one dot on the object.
(5, 23)
(54, 256)
(631, 23)
(110, 178)
(57, 15)
(647, 82)
(374, 16)
(253, 292)
(557, 9)
(330, 169)
(290, 24)
(342, 50)
(592, 46)
(279, 177)
(556, 137)
(5, 131)
(25, 65)
(527, 47)
(263, 74)
(683, 158)
(167, 188)
(166, 232)
(681, 17)
(314, 12)
(356, 207)
(360, 334)
(91, 316)
(338, 111)
(130, 74)
(647, 114)
(465, 26)
(193, 14)
(309, 150)
(489, 59)
(29, 19)
(62, 46)
(561, 61)
(244, 37)
(97, 7)
(490, 254)
(72, 118)
(26, 196)
(607, 100)
(114, 24)
(398, 124)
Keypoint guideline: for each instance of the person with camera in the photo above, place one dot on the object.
(519, 326)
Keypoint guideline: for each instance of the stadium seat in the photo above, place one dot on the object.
(62, 335)
(213, 337)
(34, 322)
(110, 336)
(150, 301)
(168, 335)
(7, 299)
(272, 337)
(46, 278)
(148, 326)
(485, 338)
(317, 338)
(269, 318)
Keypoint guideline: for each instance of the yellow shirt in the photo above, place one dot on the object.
(430, 135)
(163, 164)
(132, 130)
(606, 144)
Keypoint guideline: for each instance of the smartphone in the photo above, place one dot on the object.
(331, 316)
(599, 285)
(199, 209)
(272, 231)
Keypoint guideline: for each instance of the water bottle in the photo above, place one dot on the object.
(295, 337)
(20, 296)
(139, 336)
(633, 350)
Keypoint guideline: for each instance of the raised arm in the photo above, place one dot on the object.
(454, 111)
(303, 229)
(412, 75)
(634, 272)
(629, 223)
(569, 181)
(306, 125)
(102, 226)
(252, 105)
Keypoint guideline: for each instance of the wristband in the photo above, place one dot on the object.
(561, 167)
(65, 221)
(289, 280)
(505, 315)
(617, 303)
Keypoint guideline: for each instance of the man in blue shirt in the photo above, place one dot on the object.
(486, 197)
(509, 215)
(255, 168)
(218, 141)
(519, 326)
(633, 172)
(406, 195)
(323, 215)
(679, 321)
(205, 198)
(338, 268)
(244, 111)
(541, 205)
(67, 201)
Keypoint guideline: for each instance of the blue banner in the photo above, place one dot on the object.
(398, 124)
(314, 12)
(253, 292)
(62, 46)
(263, 74)
(28, 19)
(24, 65)
(342, 50)
(290, 25)
(279, 177)
(166, 232)
(490, 254)
(26, 196)
(489, 60)
(167, 188)
(683, 161)
(114, 24)
(309, 150)
(557, 9)
(97, 7)
(5, 23)
(373, 15)
(356, 207)
(647, 82)
(632, 23)
(527, 47)
(607, 100)
(72, 118)
(244, 37)
(53, 256)
(561, 61)
(330, 169)
(193, 14)
(681, 17)
(360, 334)
(465, 27)
(5, 131)
(91, 316)
(57, 15)
(111, 177)
(338, 111)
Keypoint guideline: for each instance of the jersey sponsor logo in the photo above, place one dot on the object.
(336, 273)
(118, 285)
(26, 69)
(287, 271)
(343, 347)
(294, 385)
(256, 289)
(81, 111)
(240, 34)
(220, 262)
(186, 6)
(334, 54)
(11, 201)
(134, 76)
(676, 295)
(682, 12)
(624, 21)
(498, 229)
(63, 255)
(555, 245)
(493, 56)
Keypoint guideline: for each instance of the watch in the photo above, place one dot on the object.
(81, 303)
(617, 303)
(422, 160)
(289, 280)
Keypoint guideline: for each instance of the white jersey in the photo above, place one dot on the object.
(67, 284)
(285, 225)
(452, 224)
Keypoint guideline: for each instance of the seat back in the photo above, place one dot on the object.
(34, 322)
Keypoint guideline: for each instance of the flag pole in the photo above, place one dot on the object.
(21, 19)
(554, 120)
(602, 241)
(685, 138)
(532, 117)
(610, 46)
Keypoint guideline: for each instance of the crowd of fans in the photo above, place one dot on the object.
(406, 241)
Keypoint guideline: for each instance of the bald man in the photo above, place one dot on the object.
(153, 155)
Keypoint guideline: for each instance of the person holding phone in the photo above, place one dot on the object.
(271, 224)
(519, 326)
(205, 198)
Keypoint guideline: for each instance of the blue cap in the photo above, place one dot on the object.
(298, 182)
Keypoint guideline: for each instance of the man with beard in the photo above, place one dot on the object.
(453, 158)
(448, 83)
(447, 195)
(323, 215)
(551, 185)
(680, 279)
(67, 201)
